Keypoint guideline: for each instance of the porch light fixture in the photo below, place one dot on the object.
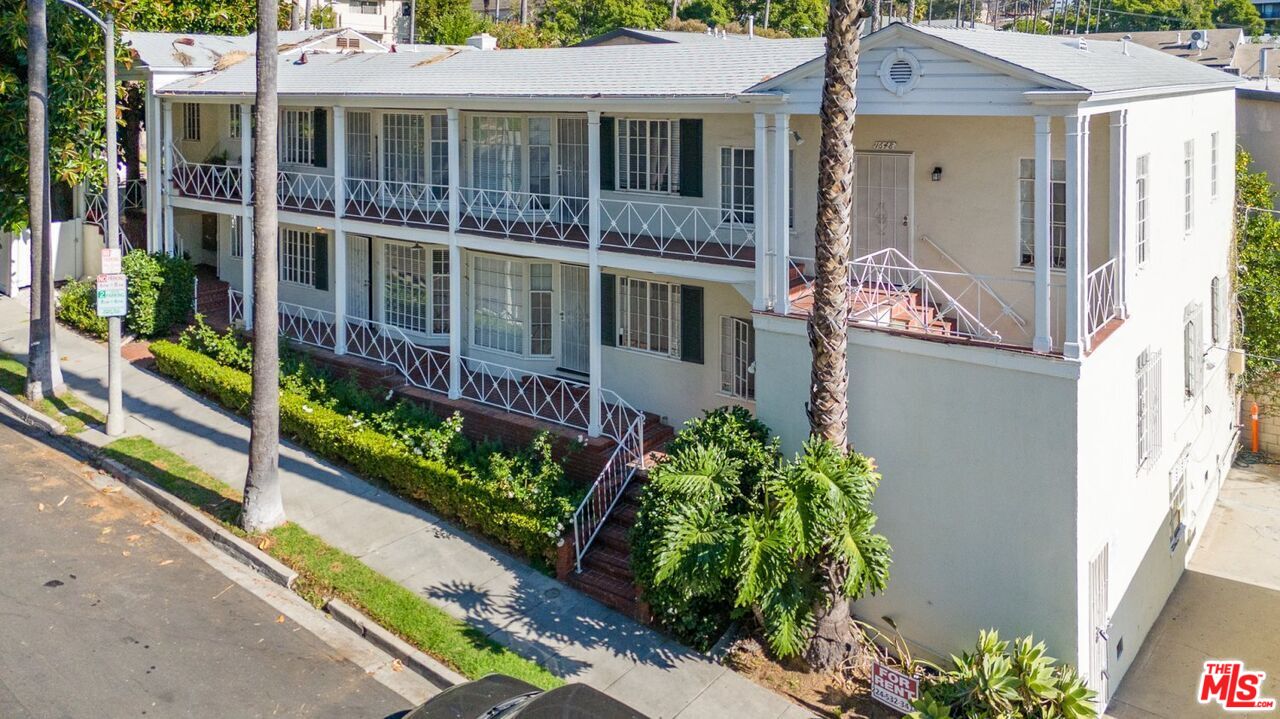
(796, 136)
(936, 175)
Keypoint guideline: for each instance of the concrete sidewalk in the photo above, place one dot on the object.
(573, 636)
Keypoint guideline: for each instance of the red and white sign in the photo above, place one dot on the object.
(894, 689)
(1237, 689)
(110, 261)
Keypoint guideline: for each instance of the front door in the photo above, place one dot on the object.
(575, 319)
(882, 206)
(358, 277)
(1098, 626)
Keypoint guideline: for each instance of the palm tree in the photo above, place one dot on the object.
(263, 506)
(832, 637)
(44, 373)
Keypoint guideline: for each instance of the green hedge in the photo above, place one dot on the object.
(484, 508)
(161, 293)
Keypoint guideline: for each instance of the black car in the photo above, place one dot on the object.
(501, 697)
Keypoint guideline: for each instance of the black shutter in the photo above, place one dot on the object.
(607, 154)
(691, 324)
(608, 310)
(320, 259)
(691, 158)
(319, 137)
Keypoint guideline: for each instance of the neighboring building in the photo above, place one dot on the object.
(1227, 49)
(386, 21)
(600, 236)
(1258, 124)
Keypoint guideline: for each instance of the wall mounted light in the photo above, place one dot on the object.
(936, 175)
(796, 136)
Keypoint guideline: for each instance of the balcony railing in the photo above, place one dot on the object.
(1102, 297)
(206, 181)
(697, 233)
(304, 191)
(131, 195)
(414, 204)
(525, 215)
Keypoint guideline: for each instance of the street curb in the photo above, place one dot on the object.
(422, 664)
(29, 415)
(202, 525)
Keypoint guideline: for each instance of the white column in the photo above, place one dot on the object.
(246, 212)
(339, 233)
(763, 231)
(1076, 230)
(781, 183)
(455, 257)
(593, 285)
(1043, 341)
(166, 108)
(155, 174)
(1120, 204)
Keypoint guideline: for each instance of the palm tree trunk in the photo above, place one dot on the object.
(833, 641)
(829, 321)
(263, 506)
(44, 374)
(911, 11)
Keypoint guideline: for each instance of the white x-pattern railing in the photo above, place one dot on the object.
(423, 367)
(206, 181)
(307, 191)
(1102, 297)
(416, 203)
(525, 214)
(308, 325)
(678, 230)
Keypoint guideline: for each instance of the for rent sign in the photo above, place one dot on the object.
(894, 689)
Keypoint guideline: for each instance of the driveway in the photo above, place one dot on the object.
(1226, 606)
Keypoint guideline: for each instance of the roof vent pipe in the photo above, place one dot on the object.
(483, 41)
(1179, 40)
(1124, 45)
(751, 27)
(1264, 62)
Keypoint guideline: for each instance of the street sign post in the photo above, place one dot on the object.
(113, 293)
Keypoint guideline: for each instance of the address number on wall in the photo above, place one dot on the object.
(884, 145)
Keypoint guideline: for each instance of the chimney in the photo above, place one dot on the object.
(483, 41)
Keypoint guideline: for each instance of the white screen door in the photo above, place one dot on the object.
(406, 288)
(1098, 628)
(572, 167)
(358, 277)
(575, 322)
(882, 205)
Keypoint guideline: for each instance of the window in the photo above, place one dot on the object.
(1188, 185)
(1213, 166)
(296, 138)
(1192, 354)
(496, 142)
(440, 291)
(540, 309)
(737, 185)
(1057, 213)
(439, 150)
(297, 261)
(649, 318)
(367, 7)
(737, 357)
(499, 314)
(191, 122)
(1143, 213)
(233, 121)
(1177, 500)
(415, 294)
(237, 237)
(540, 159)
(1148, 376)
(1215, 310)
(648, 155)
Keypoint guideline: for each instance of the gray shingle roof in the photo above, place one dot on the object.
(162, 51)
(1102, 67)
(665, 70)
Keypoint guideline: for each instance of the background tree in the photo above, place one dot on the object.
(1257, 282)
(263, 507)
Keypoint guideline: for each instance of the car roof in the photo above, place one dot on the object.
(473, 699)
(576, 701)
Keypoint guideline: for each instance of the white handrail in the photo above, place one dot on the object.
(607, 489)
(524, 214)
(678, 230)
(1005, 308)
(1102, 297)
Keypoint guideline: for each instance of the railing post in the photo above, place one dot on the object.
(1074, 345)
(246, 214)
(594, 362)
(455, 256)
(761, 228)
(339, 234)
(1043, 339)
(166, 141)
(1120, 204)
(156, 187)
(782, 213)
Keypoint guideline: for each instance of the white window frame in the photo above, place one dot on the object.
(1149, 412)
(652, 177)
(637, 339)
(1026, 187)
(1192, 350)
(522, 299)
(542, 312)
(1142, 209)
(1178, 500)
(434, 264)
(297, 135)
(1188, 186)
(237, 238)
(1215, 311)
(233, 121)
(737, 164)
(191, 121)
(737, 358)
(297, 257)
(1213, 166)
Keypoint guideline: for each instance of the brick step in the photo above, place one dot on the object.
(610, 591)
(625, 513)
(610, 561)
(613, 536)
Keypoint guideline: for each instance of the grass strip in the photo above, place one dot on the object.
(325, 571)
(66, 408)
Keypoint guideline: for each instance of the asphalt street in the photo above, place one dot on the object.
(102, 615)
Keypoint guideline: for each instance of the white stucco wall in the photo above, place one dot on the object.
(1257, 122)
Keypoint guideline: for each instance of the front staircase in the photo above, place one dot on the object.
(212, 300)
(881, 304)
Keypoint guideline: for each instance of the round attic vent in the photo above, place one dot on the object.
(899, 72)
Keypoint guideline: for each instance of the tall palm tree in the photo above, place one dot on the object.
(263, 506)
(44, 374)
(832, 638)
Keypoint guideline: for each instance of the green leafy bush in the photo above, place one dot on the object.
(994, 682)
(519, 499)
(78, 309)
(161, 293)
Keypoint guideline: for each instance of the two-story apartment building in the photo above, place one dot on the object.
(588, 235)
